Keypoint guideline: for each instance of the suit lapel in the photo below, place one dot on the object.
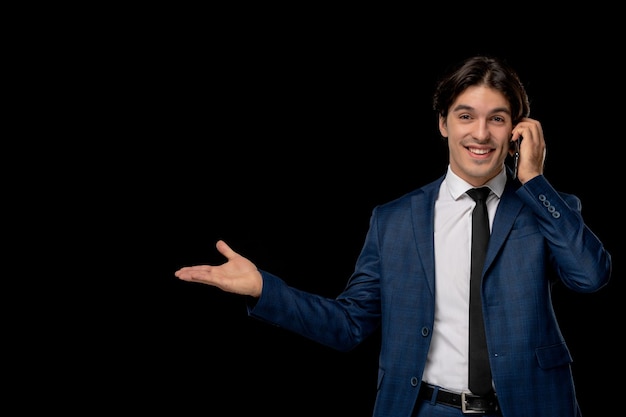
(423, 220)
(508, 209)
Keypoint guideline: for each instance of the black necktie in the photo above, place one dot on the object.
(479, 369)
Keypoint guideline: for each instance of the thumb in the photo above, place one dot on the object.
(225, 250)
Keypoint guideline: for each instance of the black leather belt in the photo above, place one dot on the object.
(469, 403)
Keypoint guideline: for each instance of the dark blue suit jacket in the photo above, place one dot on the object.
(538, 236)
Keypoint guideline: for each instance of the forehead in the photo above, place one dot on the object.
(481, 98)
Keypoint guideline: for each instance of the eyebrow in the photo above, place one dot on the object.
(496, 110)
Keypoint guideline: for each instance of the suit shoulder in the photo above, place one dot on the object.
(429, 190)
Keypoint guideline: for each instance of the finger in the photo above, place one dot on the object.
(189, 272)
(528, 129)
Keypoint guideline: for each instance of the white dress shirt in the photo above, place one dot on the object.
(448, 356)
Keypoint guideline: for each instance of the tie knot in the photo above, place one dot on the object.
(479, 193)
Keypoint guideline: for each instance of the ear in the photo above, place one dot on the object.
(443, 127)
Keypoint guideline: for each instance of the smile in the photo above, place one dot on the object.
(479, 151)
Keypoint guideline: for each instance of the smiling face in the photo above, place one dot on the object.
(478, 129)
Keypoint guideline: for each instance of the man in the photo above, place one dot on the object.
(412, 277)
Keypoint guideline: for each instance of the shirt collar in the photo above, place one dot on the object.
(457, 186)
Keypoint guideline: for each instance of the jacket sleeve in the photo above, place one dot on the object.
(578, 256)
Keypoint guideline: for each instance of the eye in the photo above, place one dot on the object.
(464, 116)
(499, 119)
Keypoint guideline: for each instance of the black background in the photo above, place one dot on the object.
(279, 135)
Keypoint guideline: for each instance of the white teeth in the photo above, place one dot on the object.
(479, 151)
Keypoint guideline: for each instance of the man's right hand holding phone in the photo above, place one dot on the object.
(531, 151)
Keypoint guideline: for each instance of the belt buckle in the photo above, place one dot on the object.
(465, 406)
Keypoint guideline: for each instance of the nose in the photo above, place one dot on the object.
(482, 131)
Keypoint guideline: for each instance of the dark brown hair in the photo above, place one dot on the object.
(482, 70)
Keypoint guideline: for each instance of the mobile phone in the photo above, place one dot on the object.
(515, 146)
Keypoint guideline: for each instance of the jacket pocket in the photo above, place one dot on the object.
(553, 356)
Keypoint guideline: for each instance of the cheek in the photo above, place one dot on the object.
(455, 129)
